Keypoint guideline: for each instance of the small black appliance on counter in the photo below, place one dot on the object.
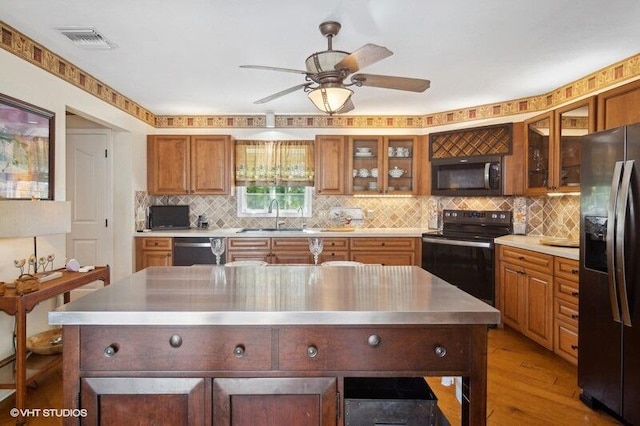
(169, 217)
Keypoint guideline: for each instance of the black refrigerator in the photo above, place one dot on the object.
(609, 322)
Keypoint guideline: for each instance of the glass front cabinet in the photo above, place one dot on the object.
(552, 147)
(382, 165)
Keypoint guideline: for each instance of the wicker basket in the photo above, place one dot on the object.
(46, 343)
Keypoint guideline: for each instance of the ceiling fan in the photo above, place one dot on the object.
(327, 71)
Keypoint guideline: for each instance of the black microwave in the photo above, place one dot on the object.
(467, 176)
(169, 217)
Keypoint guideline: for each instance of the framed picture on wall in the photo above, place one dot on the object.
(26, 150)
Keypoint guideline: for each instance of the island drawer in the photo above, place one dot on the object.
(152, 348)
(373, 349)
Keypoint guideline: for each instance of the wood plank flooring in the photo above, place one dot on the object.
(527, 385)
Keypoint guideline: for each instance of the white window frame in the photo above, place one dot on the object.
(245, 211)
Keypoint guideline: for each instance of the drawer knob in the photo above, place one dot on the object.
(374, 340)
(521, 258)
(111, 350)
(238, 351)
(574, 316)
(312, 351)
(175, 341)
(440, 351)
(575, 271)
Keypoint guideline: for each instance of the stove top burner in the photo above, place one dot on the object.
(474, 224)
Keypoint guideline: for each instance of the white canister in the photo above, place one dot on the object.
(391, 151)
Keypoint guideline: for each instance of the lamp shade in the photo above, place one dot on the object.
(32, 218)
(330, 99)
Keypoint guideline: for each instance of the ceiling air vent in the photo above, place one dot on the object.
(87, 38)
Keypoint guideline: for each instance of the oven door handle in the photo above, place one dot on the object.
(481, 244)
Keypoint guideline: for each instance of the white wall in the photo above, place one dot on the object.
(21, 80)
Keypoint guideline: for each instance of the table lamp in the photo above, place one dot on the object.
(21, 219)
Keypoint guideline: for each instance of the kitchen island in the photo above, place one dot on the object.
(222, 345)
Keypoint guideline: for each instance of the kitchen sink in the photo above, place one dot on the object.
(243, 230)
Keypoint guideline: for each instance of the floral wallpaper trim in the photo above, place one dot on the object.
(22, 46)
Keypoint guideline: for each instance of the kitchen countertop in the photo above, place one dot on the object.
(277, 295)
(530, 242)
(233, 232)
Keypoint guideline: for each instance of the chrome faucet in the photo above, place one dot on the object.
(301, 210)
(278, 222)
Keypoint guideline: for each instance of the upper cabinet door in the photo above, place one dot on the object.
(168, 164)
(572, 122)
(211, 157)
(330, 153)
(539, 154)
(619, 106)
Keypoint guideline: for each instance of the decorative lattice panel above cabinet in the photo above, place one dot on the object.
(488, 140)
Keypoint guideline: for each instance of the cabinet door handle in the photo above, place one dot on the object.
(239, 351)
(574, 347)
(111, 350)
(575, 271)
(374, 340)
(575, 293)
(312, 351)
(574, 316)
(440, 351)
(175, 341)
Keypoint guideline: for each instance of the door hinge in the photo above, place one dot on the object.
(106, 154)
(106, 223)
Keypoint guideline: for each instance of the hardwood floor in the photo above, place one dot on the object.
(527, 385)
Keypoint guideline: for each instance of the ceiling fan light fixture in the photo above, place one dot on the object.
(330, 99)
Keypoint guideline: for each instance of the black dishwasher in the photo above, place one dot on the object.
(189, 251)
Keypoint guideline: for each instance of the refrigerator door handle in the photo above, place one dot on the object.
(623, 203)
(611, 243)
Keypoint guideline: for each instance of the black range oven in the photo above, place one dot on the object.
(463, 252)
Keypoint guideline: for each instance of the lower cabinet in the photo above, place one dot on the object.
(153, 251)
(526, 293)
(115, 401)
(275, 401)
(386, 251)
(292, 250)
(539, 297)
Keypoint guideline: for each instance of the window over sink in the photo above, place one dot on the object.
(292, 201)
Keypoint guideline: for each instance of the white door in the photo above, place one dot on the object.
(89, 190)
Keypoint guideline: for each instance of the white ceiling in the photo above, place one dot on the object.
(182, 57)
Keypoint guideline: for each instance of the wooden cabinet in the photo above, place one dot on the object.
(552, 147)
(526, 293)
(153, 251)
(118, 401)
(330, 157)
(386, 251)
(334, 249)
(619, 106)
(276, 401)
(292, 250)
(566, 298)
(275, 250)
(189, 164)
(383, 165)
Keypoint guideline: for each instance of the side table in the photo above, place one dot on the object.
(18, 306)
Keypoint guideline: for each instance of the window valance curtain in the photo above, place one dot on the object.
(274, 162)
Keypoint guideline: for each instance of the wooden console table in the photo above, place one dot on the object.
(13, 370)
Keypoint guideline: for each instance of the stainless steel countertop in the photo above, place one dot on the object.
(277, 295)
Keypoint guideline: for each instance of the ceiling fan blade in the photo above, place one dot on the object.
(262, 67)
(365, 56)
(348, 106)
(390, 82)
(281, 93)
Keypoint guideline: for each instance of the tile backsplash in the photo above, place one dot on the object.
(549, 216)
